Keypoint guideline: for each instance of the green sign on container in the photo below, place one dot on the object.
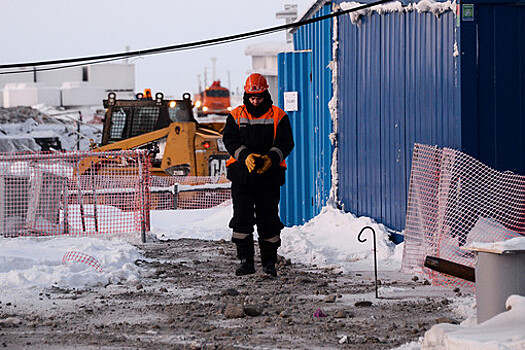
(467, 12)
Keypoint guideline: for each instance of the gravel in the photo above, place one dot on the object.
(189, 298)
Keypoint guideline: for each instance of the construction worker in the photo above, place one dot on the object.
(258, 136)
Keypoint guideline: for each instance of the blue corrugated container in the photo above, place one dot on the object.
(492, 74)
(451, 80)
(297, 195)
(309, 74)
(396, 86)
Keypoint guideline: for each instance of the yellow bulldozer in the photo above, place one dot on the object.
(177, 143)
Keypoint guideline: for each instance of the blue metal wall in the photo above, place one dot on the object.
(297, 194)
(400, 81)
(493, 84)
(309, 169)
(397, 86)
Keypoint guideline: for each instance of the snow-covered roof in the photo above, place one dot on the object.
(435, 7)
(271, 48)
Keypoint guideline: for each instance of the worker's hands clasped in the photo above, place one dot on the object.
(252, 159)
(267, 163)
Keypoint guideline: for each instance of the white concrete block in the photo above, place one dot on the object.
(76, 94)
(30, 94)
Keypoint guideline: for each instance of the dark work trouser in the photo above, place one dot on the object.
(255, 204)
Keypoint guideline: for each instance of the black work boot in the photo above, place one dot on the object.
(269, 268)
(245, 253)
(269, 256)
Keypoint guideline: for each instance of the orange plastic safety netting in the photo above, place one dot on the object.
(454, 200)
(74, 193)
(189, 192)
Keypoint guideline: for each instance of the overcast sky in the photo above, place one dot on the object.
(34, 30)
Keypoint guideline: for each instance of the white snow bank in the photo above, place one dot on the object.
(503, 331)
(29, 263)
(197, 223)
(330, 240)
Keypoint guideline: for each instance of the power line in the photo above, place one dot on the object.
(80, 61)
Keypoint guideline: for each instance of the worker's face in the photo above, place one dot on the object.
(255, 100)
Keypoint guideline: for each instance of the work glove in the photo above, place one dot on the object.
(250, 161)
(267, 163)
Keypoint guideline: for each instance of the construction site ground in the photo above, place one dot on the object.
(189, 298)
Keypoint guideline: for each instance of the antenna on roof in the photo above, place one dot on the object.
(289, 14)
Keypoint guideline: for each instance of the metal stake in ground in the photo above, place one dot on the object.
(375, 251)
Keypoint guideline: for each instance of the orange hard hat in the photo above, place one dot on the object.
(255, 84)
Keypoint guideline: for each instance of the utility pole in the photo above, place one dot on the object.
(127, 48)
(213, 60)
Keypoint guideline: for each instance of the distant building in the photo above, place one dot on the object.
(68, 87)
(264, 61)
(264, 55)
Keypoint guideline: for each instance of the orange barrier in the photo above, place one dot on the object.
(44, 194)
(453, 201)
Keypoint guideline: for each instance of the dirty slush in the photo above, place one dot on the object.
(189, 298)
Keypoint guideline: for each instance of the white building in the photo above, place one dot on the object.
(69, 87)
(264, 61)
(264, 55)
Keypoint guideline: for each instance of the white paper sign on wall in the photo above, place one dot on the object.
(291, 101)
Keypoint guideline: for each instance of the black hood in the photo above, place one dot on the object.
(260, 109)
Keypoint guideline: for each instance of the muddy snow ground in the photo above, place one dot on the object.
(189, 298)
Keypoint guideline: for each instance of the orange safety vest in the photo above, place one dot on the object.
(275, 112)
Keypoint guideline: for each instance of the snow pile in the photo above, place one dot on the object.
(209, 224)
(29, 263)
(43, 121)
(330, 240)
(503, 331)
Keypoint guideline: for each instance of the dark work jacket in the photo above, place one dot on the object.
(256, 135)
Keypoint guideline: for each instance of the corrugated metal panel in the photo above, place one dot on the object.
(493, 85)
(393, 111)
(397, 86)
(317, 39)
(400, 82)
(347, 116)
(297, 195)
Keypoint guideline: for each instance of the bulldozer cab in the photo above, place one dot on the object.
(177, 143)
(129, 118)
